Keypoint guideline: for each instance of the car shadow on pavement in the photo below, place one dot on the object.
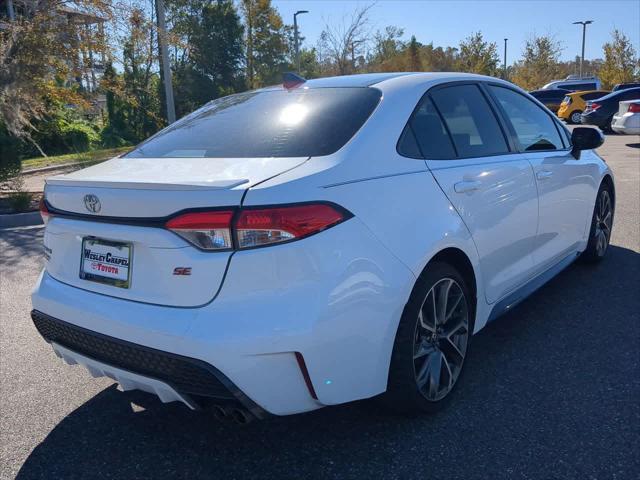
(633, 145)
(548, 392)
(22, 243)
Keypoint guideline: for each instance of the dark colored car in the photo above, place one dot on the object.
(551, 98)
(625, 86)
(600, 112)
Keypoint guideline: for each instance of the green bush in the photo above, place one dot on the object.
(10, 150)
(20, 201)
(79, 136)
(63, 131)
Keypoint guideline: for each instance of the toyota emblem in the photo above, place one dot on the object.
(92, 203)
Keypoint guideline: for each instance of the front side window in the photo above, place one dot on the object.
(473, 126)
(534, 128)
(267, 123)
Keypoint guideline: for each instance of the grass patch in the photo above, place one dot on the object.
(91, 156)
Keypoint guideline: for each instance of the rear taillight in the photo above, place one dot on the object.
(634, 108)
(255, 227)
(206, 230)
(264, 226)
(44, 211)
(594, 106)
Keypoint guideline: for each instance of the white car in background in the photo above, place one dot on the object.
(285, 249)
(627, 120)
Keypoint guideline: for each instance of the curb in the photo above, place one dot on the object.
(61, 166)
(12, 220)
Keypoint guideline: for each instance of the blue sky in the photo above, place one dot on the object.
(446, 22)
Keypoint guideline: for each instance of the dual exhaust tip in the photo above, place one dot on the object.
(237, 415)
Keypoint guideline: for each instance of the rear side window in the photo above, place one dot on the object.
(631, 94)
(535, 129)
(592, 95)
(468, 117)
(425, 134)
(580, 86)
(268, 123)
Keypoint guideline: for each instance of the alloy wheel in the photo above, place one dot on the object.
(603, 222)
(440, 340)
(575, 117)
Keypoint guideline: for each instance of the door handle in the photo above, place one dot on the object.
(467, 186)
(544, 174)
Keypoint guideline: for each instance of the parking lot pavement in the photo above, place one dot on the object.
(551, 390)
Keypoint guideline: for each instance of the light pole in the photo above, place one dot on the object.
(584, 32)
(295, 34)
(505, 58)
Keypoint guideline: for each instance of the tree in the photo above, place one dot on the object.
(266, 43)
(206, 37)
(39, 53)
(413, 59)
(539, 64)
(440, 59)
(387, 51)
(620, 61)
(342, 44)
(478, 56)
(309, 66)
(133, 98)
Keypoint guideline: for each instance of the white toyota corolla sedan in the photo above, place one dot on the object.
(305, 245)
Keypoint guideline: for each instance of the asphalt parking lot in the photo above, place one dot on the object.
(551, 391)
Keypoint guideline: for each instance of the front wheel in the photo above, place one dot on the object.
(431, 343)
(575, 117)
(601, 225)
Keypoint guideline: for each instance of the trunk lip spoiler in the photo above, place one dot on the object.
(190, 185)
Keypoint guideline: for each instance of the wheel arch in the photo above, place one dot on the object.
(608, 180)
(461, 262)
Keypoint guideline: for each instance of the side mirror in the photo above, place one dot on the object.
(584, 138)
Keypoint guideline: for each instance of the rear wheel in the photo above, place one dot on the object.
(601, 225)
(431, 343)
(575, 116)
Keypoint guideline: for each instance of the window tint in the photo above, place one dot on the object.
(593, 95)
(630, 94)
(473, 126)
(534, 128)
(579, 86)
(268, 123)
(428, 134)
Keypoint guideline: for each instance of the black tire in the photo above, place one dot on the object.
(607, 126)
(403, 393)
(601, 226)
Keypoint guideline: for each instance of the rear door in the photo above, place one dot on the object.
(491, 187)
(565, 185)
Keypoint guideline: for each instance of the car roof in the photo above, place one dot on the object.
(359, 80)
(626, 91)
(550, 91)
(582, 92)
(390, 81)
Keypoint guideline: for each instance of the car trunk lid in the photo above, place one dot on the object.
(107, 235)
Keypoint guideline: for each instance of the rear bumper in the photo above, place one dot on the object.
(627, 124)
(590, 119)
(335, 298)
(171, 377)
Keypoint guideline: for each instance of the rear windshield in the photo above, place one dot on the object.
(268, 123)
